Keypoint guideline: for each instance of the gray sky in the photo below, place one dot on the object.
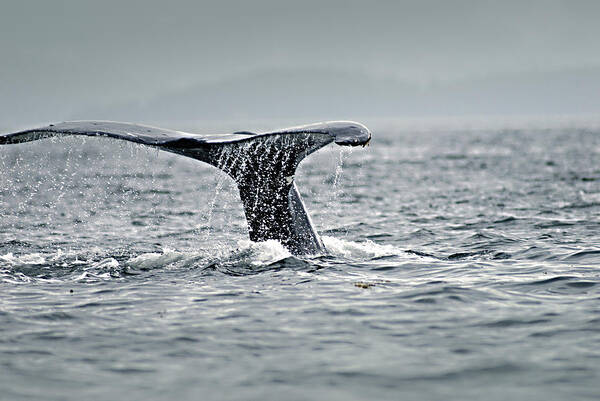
(67, 54)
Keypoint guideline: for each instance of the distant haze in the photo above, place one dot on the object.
(187, 60)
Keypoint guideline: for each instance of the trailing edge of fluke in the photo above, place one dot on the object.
(262, 164)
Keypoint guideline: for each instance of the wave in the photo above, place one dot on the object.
(246, 257)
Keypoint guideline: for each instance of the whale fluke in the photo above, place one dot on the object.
(262, 165)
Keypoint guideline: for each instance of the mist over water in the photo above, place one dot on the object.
(462, 264)
(148, 61)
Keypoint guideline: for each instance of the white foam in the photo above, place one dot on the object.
(264, 253)
(246, 252)
(255, 253)
(156, 260)
(27, 259)
(104, 264)
(358, 250)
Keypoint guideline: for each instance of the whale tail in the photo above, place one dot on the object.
(263, 166)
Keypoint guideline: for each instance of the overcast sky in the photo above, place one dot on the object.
(85, 52)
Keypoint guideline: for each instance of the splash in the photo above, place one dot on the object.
(221, 181)
(358, 250)
(247, 253)
(264, 253)
(28, 259)
(344, 155)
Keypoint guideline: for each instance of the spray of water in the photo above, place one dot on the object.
(344, 154)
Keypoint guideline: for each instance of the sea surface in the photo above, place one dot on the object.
(462, 264)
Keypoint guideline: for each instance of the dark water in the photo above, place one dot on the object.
(462, 265)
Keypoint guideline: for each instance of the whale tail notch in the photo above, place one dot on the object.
(263, 166)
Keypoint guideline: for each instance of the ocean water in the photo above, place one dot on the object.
(463, 264)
